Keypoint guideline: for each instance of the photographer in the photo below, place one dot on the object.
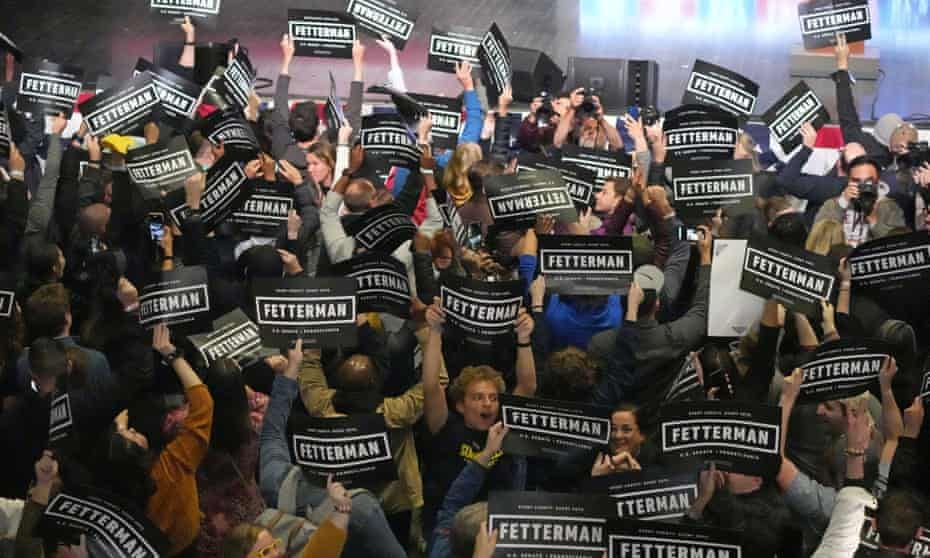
(583, 124)
(864, 208)
(537, 131)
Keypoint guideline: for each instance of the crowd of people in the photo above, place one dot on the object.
(201, 449)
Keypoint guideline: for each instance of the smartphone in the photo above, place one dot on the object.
(689, 234)
(473, 239)
(633, 111)
(156, 223)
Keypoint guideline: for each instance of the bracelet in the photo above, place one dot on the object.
(168, 258)
(855, 453)
(523, 345)
(173, 356)
(347, 173)
(537, 307)
(428, 172)
(17, 174)
(845, 284)
(189, 44)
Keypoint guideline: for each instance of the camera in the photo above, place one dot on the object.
(589, 106)
(545, 111)
(918, 154)
(868, 196)
(156, 226)
(689, 234)
(650, 115)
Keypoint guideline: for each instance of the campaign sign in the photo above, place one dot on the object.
(386, 136)
(654, 493)
(233, 132)
(123, 109)
(394, 18)
(515, 200)
(793, 276)
(739, 436)
(687, 385)
(321, 33)
(821, 20)
(481, 309)
(785, 117)
(234, 336)
(112, 528)
(161, 166)
(450, 46)
(46, 87)
(178, 95)
(224, 192)
(552, 429)
(335, 116)
(383, 285)
(719, 87)
(700, 133)
(580, 182)
(925, 383)
(265, 209)
(7, 294)
(201, 12)
(548, 525)
(232, 86)
(494, 55)
(604, 164)
(4, 134)
(60, 420)
(320, 311)
(699, 188)
(528, 161)
(382, 229)
(842, 368)
(355, 449)
(178, 296)
(896, 271)
(446, 115)
(635, 538)
(586, 265)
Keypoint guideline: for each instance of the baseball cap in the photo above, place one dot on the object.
(886, 126)
(649, 277)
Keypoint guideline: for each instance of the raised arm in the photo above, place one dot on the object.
(281, 136)
(42, 205)
(190, 42)
(353, 110)
(526, 364)
(435, 407)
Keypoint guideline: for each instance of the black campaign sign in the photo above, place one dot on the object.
(4, 134)
(793, 276)
(586, 265)
(234, 336)
(699, 188)
(654, 493)
(265, 209)
(719, 87)
(896, 271)
(551, 429)
(382, 229)
(383, 285)
(842, 368)
(180, 295)
(60, 420)
(581, 183)
(319, 311)
(234, 133)
(200, 11)
(494, 55)
(7, 294)
(111, 529)
(178, 95)
(738, 436)
(481, 309)
(604, 164)
(321, 33)
(161, 165)
(48, 87)
(386, 136)
(634, 538)
(356, 449)
(394, 18)
(233, 85)
(122, 109)
(821, 20)
(797, 106)
(455, 45)
(515, 200)
(446, 115)
(223, 193)
(547, 525)
(925, 384)
(700, 133)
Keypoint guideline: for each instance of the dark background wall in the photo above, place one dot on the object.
(753, 37)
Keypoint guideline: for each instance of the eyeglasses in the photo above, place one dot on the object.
(266, 551)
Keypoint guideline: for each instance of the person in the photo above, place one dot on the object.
(583, 123)
(457, 435)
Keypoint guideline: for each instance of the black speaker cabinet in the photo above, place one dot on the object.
(533, 72)
(642, 83)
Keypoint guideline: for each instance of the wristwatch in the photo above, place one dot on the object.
(172, 356)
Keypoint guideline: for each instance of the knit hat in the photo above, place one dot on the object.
(886, 126)
(649, 278)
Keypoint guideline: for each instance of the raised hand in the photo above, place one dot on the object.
(463, 74)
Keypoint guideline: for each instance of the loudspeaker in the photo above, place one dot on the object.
(533, 72)
(604, 75)
(207, 57)
(642, 83)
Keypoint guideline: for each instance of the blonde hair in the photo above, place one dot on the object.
(455, 176)
(748, 144)
(825, 235)
(472, 374)
(240, 540)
